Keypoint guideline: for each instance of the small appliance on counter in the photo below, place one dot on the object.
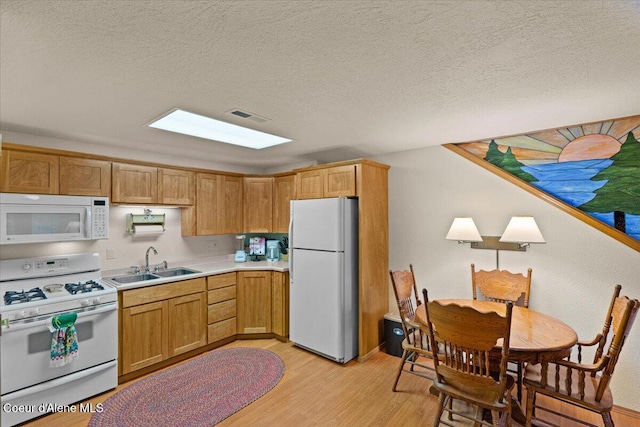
(273, 250)
(241, 255)
(256, 247)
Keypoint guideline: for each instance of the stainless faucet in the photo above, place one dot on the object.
(161, 265)
(146, 264)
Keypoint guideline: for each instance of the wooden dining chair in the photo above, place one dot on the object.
(415, 345)
(503, 286)
(584, 385)
(465, 364)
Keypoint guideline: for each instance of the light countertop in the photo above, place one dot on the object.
(207, 266)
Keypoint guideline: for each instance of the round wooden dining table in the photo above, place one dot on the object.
(535, 337)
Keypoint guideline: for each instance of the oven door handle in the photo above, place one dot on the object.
(57, 382)
(25, 324)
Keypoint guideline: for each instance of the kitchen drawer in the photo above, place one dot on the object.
(221, 330)
(222, 294)
(221, 280)
(221, 311)
(162, 292)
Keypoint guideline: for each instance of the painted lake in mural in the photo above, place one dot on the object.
(571, 182)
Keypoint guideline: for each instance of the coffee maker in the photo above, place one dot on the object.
(273, 250)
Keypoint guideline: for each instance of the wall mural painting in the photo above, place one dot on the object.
(594, 167)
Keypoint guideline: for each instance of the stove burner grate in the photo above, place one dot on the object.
(81, 288)
(17, 297)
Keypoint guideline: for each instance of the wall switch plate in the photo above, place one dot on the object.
(111, 253)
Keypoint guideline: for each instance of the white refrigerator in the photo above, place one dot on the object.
(323, 271)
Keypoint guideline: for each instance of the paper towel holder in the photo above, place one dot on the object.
(144, 220)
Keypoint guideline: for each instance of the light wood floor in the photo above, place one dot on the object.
(317, 392)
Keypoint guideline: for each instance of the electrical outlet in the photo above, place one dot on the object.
(111, 253)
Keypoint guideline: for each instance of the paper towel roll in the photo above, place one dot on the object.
(148, 229)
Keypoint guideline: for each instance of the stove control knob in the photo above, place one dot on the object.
(20, 314)
(84, 302)
(34, 312)
(26, 267)
(95, 301)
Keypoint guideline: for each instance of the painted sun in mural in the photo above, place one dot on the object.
(585, 142)
(594, 146)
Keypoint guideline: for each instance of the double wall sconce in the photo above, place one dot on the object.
(520, 233)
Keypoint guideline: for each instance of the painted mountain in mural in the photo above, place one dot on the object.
(593, 168)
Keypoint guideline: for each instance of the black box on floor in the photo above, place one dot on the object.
(393, 334)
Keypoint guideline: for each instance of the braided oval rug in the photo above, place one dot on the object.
(200, 392)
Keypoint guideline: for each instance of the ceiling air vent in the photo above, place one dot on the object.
(247, 115)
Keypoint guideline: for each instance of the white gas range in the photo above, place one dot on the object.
(33, 290)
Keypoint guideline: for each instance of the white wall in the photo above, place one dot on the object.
(574, 273)
(129, 249)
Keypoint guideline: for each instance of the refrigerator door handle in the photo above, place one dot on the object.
(291, 225)
(290, 249)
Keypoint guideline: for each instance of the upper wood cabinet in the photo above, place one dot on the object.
(336, 181)
(218, 205)
(85, 177)
(134, 183)
(231, 212)
(206, 212)
(40, 173)
(258, 205)
(283, 193)
(151, 185)
(176, 187)
(25, 172)
(310, 184)
(340, 181)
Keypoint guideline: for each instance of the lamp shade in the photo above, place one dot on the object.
(522, 229)
(464, 230)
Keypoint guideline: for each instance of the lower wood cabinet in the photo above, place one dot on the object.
(254, 302)
(161, 321)
(144, 336)
(221, 312)
(280, 303)
(187, 316)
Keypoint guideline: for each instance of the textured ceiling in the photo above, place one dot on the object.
(343, 79)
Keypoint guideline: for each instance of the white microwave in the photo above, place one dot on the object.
(35, 218)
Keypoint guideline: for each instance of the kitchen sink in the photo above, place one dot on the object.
(132, 278)
(178, 271)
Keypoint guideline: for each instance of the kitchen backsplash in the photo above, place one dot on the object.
(129, 249)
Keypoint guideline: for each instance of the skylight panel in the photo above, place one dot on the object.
(192, 124)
